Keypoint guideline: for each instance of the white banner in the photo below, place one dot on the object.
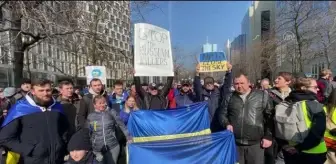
(98, 72)
(152, 51)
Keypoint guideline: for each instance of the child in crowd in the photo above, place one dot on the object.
(80, 149)
(103, 124)
(129, 107)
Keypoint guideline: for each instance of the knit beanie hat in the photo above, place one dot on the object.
(80, 140)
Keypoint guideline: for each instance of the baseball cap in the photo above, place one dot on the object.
(186, 82)
(153, 86)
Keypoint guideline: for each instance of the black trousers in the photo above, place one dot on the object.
(304, 158)
(250, 154)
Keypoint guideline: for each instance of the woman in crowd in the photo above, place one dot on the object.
(330, 134)
(278, 94)
(130, 106)
(313, 148)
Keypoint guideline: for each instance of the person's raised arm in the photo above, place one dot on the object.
(168, 86)
(226, 87)
(141, 92)
(197, 84)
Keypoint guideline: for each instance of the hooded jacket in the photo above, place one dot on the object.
(89, 158)
(37, 133)
(315, 114)
(86, 106)
(103, 126)
(118, 105)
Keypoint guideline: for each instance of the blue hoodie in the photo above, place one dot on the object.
(118, 104)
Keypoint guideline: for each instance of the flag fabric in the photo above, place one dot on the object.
(153, 125)
(215, 148)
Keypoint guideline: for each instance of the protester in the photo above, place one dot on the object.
(330, 134)
(248, 114)
(78, 93)
(144, 86)
(10, 97)
(323, 83)
(278, 94)
(103, 122)
(186, 96)
(129, 107)
(36, 127)
(265, 84)
(70, 103)
(80, 149)
(212, 95)
(24, 89)
(153, 99)
(313, 148)
(118, 97)
(135, 95)
(86, 105)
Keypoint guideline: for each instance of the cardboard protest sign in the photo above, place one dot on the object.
(152, 51)
(212, 62)
(98, 72)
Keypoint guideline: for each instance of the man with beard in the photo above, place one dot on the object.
(36, 127)
(86, 104)
(185, 96)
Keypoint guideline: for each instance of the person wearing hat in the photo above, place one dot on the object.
(185, 96)
(153, 99)
(209, 93)
(80, 149)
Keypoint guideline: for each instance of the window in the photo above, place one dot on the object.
(45, 64)
(316, 69)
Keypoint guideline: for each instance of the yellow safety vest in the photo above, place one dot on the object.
(320, 148)
(333, 120)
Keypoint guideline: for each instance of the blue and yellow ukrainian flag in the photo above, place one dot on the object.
(212, 62)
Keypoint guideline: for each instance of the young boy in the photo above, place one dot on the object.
(80, 149)
(103, 123)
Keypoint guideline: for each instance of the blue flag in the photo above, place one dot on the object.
(216, 148)
(153, 125)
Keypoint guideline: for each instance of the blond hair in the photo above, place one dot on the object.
(325, 72)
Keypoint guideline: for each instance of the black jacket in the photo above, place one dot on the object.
(153, 102)
(86, 107)
(70, 108)
(38, 138)
(251, 120)
(89, 158)
(315, 114)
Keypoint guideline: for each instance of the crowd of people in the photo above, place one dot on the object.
(68, 124)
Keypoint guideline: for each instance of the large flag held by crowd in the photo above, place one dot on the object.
(181, 135)
(145, 125)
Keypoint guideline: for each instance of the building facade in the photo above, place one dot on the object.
(52, 59)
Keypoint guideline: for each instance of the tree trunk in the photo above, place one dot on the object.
(18, 50)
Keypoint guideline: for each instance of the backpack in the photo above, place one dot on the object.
(289, 121)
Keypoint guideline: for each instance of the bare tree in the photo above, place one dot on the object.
(296, 17)
(325, 30)
(30, 22)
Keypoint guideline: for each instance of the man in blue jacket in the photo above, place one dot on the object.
(211, 94)
(118, 97)
(185, 96)
(36, 127)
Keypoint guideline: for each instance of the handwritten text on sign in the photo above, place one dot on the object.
(213, 62)
(152, 51)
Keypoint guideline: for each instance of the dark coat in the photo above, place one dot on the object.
(38, 137)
